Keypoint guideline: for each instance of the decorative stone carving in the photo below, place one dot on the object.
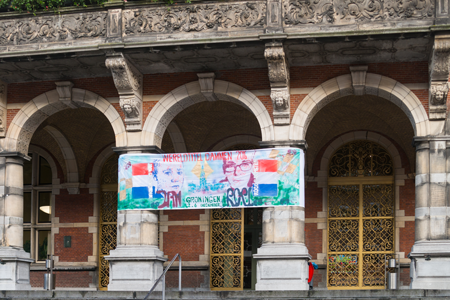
(206, 81)
(114, 22)
(64, 89)
(128, 81)
(439, 73)
(281, 99)
(279, 82)
(192, 18)
(439, 93)
(348, 11)
(52, 29)
(277, 64)
(359, 79)
(3, 110)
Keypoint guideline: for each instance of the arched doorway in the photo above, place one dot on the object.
(360, 216)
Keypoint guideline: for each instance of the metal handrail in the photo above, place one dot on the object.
(163, 276)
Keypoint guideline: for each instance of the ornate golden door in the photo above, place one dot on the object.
(107, 218)
(360, 216)
(227, 243)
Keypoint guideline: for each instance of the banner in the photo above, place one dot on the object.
(228, 179)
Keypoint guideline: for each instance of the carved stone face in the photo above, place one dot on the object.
(439, 95)
(279, 102)
(128, 109)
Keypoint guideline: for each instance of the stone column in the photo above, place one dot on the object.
(14, 261)
(430, 255)
(137, 262)
(283, 256)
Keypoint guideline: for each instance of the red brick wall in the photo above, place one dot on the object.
(82, 243)
(295, 102)
(189, 279)
(407, 237)
(80, 279)
(313, 204)
(189, 241)
(74, 208)
(404, 276)
(423, 97)
(267, 102)
(407, 197)
(184, 215)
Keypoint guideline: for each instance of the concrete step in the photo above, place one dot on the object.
(232, 295)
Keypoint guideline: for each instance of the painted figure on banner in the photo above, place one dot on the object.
(169, 181)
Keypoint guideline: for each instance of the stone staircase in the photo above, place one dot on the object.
(232, 295)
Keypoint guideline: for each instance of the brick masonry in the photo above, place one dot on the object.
(81, 246)
(189, 241)
(67, 279)
(67, 212)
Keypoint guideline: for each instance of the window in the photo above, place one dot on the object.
(37, 207)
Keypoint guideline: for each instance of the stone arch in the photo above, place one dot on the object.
(177, 138)
(189, 94)
(235, 140)
(67, 151)
(399, 174)
(376, 85)
(41, 107)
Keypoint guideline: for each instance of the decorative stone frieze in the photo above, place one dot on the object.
(206, 81)
(359, 79)
(274, 19)
(192, 18)
(128, 81)
(64, 89)
(439, 73)
(3, 100)
(52, 28)
(279, 82)
(346, 12)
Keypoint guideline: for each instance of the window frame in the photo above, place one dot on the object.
(35, 189)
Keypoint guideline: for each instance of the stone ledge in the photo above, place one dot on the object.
(235, 295)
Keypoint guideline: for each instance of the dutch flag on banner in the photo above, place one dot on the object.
(142, 179)
(266, 178)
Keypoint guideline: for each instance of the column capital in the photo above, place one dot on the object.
(17, 155)
(301, 144)
(137, 149)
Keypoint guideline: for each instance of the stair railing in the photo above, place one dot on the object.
(163, 278)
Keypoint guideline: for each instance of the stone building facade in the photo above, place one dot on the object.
(343, 80)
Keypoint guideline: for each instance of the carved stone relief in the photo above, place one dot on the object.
(439, 73)
(279, 82)
(128, 81)
(52, 29)
(351, 11)
(199, 17)
(3, 101)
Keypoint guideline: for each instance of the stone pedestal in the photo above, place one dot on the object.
(136, 263)
(135, 268)
(430, 266)
(282, 267)
(283, 256)
(14, 269)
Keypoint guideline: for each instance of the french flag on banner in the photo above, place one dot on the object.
(266, 178)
